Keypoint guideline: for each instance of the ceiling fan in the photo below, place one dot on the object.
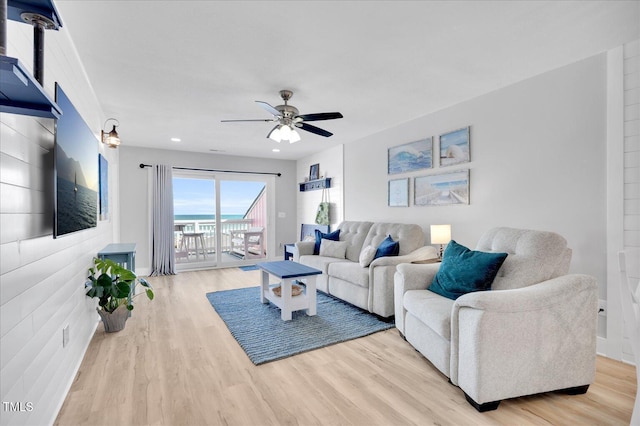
(289, 119)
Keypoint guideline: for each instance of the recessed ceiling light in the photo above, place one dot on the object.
(275, 150)
(176, 140)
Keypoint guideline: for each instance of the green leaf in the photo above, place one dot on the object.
(150, 294)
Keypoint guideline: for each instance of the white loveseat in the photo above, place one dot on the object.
(370, 287)
(533, 332)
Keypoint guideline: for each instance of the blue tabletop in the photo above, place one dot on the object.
(118, 248)
(288, 269)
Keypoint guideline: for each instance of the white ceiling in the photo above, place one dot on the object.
(176, 68)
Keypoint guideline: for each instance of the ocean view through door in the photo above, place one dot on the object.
(219, 220)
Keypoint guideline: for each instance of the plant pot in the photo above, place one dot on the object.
(114, 321)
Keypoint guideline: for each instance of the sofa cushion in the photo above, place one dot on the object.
(333, 236)
(366, 256)
(387, 247)
(320, 262)
(335, 249)
(534, 256)
(351, 272)
(410, 236)
(431, 309)
(354, 233)
(463, 271)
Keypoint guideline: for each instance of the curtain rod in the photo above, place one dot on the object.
(142, 166)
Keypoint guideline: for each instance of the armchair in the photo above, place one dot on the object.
(534, 332)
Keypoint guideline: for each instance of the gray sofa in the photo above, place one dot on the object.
(371, 287)
(534, 332)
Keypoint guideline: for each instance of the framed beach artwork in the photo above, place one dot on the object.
(399, 193)
(314, 172)
(442, 189)
(103, 187)
(454, 147)
(410, 156)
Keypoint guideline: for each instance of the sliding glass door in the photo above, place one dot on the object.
(221, 220)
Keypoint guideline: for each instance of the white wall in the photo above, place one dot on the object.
(42, 278)
(331, 165)
(135, 191)
(631, 69)
(538, 161)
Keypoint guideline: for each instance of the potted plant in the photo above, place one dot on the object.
(112, 284)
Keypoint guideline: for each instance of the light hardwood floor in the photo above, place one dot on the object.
(177, 364)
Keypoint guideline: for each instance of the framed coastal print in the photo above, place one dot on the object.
(454, 147)
(314, 172)
(442, 189)
(399, 193)
(410, 156)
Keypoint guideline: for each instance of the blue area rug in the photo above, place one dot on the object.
(265, 337)
(249, 268)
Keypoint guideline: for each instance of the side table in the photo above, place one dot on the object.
(123, 254)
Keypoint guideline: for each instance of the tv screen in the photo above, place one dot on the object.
(76, 171)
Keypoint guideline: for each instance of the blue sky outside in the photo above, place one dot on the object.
(197, 196)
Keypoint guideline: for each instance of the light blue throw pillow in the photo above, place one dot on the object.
(333, 236)
(387, 247)
(463, 271)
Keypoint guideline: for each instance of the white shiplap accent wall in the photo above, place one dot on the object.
(631, 162)
(42, 278)
(331, 165)
(632, 144)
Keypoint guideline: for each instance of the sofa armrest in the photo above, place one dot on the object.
(422, 253)
(303, 248)
(410, 276)
(525, 341)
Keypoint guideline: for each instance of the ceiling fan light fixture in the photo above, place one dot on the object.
(285, 132)
(295, 136)
(275, 134)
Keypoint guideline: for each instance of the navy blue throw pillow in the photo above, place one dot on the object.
(333, 236)
(387, 247)
(463, 271)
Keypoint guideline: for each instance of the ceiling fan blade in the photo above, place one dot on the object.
(314, 129)
(271, 110)
(257, 119)
(320, 116)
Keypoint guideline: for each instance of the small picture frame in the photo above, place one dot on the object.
(454, 147)
(314, 172)
(398, 193)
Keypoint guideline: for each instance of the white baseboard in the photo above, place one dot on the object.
(72, 378)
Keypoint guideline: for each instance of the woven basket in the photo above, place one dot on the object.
(296, 290)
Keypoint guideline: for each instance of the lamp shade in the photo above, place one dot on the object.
(440, 234)
(112, 139)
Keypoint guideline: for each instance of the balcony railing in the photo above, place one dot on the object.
(208, 229)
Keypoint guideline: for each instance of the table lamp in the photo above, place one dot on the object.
(440, 234)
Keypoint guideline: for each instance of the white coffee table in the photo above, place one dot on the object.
(288, 272)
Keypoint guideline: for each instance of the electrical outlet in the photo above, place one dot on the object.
(602, 307)
(65, 336)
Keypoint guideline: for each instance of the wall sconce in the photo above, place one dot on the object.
(111, 139)
(440, 234)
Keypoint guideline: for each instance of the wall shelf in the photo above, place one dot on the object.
(313, 185)
(20, 93)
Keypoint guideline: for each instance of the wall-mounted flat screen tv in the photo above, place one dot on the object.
(76, 171)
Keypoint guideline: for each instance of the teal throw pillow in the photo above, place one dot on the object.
(333, 236)
(387, 247)
(463, 271)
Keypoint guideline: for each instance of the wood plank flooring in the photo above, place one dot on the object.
(177, 364)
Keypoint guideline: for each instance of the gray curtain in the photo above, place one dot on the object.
(163, 256)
